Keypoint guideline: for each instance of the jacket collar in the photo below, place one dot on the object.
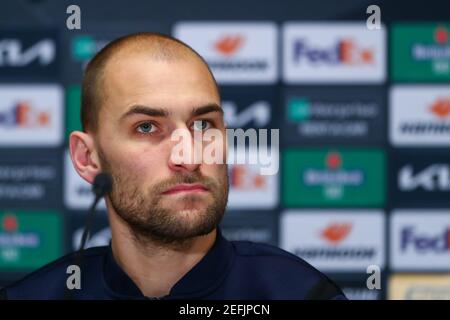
(203, 278)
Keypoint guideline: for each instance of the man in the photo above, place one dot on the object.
(163, 212)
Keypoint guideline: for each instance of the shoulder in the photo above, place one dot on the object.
(49, 281)
(283, 270)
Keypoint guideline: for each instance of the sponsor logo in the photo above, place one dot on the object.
(333, 53)
(84, 47)
(304, 109)
(257, 113)
(419, 287)
(28, 240)
(26, 182)
(23, 114)
(420, 179)
(236, 52)
(28, 53)
(411, 239)
(249, 188)
(333, 119)
(12, 54)
(315, 115)
(228, 45)
(440, 49)
(420, 115)
(336, 232)
(345, 51)
(441, 108)
(420, 240)
(327, 177)
(435, 177)
(420, 52)
(30, 115)
(335, 240)
(11, 237)
(333, 174)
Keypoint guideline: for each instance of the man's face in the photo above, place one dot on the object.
(144, 102)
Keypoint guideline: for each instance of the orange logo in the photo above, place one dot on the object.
(351, 54)
(441, 108)
(242, 178)
(229, 45)
(336, 232)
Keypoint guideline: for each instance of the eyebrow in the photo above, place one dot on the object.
(159, 112)
(149, 111)
(207, 109)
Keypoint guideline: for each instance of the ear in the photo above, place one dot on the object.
(84, 156)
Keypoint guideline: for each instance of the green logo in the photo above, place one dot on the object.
(29, 239)
(83, 48)
(299, 109)
(333, 178)
(420, 52)
(73, 103)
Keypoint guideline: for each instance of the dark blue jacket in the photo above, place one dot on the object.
(230, 270)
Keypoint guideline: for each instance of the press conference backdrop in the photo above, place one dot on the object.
(364, 119)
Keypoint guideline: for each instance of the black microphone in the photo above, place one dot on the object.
(101, 186)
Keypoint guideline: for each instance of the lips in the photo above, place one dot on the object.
(186, 188)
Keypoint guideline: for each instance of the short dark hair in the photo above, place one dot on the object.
(164, 47)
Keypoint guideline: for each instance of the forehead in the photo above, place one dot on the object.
(177, 85)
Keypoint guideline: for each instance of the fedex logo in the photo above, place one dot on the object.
(344, 51)
(422, 242)
(333, 53)
(23, 114)
(242, 178)
(248, 188)
(31, 115)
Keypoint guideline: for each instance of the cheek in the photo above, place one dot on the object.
(137, 162)
(145, 167)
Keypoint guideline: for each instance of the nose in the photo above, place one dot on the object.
(186, 151)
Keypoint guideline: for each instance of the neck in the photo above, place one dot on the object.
(155, 267)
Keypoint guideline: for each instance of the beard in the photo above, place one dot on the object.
(150, 221)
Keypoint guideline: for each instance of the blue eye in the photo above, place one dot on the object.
(146, 127)
(200, 125)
